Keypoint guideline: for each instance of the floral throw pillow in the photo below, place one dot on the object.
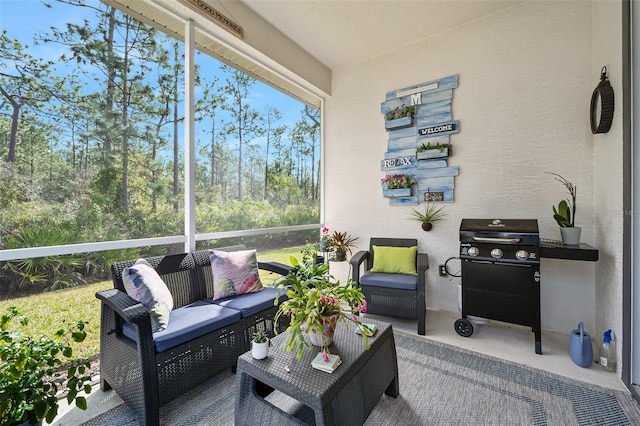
(234, 273)
(143, 283)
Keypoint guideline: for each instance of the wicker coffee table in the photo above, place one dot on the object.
(345, 397)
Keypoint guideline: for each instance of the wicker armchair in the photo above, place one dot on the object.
(394, 295)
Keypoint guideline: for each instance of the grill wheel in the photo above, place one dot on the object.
(464, 327)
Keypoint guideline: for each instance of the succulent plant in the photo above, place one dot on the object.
(260, 336)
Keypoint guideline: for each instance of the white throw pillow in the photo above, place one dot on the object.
(143, 283)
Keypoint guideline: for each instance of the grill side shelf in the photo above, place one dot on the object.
(554, 249)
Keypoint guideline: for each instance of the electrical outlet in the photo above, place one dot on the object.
(443, 271)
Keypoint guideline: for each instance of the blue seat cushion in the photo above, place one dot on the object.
(251, 303)
(397, 281)
(188, 323)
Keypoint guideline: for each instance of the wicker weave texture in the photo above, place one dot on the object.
(344, 397)
(263, 321)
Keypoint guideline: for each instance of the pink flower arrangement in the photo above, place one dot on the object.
(315, 299)
(397, 181)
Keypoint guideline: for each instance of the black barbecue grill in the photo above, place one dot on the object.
(500, 273)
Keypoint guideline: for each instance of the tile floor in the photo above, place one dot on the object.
(511, 342)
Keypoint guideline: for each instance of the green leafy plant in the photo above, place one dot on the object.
(52, 272)
(260, 336)
(565, 213)
(310, 252)
(313, 296)
(439, 146)
(30, 376)
(431, 214)
(400, 112)
(397, 181)
(341, 242)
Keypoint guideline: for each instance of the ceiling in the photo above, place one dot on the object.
(343, 32)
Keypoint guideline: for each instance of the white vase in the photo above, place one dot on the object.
(571, 236)
(324, 336)
(260, 350)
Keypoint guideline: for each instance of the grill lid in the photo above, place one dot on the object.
(523, 231)
(526, 226)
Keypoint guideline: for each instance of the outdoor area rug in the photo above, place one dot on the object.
(439, 385)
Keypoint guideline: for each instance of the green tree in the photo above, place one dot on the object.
(25, 82)
(273, 135)
(122, 51)
(246, 120)
(207, 107)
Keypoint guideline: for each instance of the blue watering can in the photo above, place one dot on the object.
(580, 347)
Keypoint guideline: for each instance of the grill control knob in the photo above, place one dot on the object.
(473, 251)
(522, 255)
(497, 253)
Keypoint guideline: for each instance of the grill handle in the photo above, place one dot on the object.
(497, 240)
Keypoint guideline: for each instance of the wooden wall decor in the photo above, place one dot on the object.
(419, 123)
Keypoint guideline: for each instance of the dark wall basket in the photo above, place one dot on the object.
(602, 105)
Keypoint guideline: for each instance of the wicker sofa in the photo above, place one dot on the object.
(147, 371)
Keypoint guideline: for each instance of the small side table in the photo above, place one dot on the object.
(554, 249)
(345, 397)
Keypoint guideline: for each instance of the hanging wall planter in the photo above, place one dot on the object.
(432, 153)
(432, 213)
(398, 123)
(398, 192)
(397, 186)
(428, 151)
(399, 117)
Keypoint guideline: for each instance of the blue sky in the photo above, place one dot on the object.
(24, 18)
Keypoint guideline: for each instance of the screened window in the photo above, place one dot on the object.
(92, 136)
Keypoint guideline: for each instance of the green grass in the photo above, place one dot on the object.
(51, 311)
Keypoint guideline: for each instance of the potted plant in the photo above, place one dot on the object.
(316, 304)
(30, 372)
(429, 151)
(399, 185)
(310, 253)
(341, 242)
(432, 213)
(260, 345)
(324, 239)
(399, 117)
(565, 213)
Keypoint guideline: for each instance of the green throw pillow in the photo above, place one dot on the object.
(395, 260)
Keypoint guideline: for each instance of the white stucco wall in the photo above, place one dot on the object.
(525, 81)
(608, 179)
